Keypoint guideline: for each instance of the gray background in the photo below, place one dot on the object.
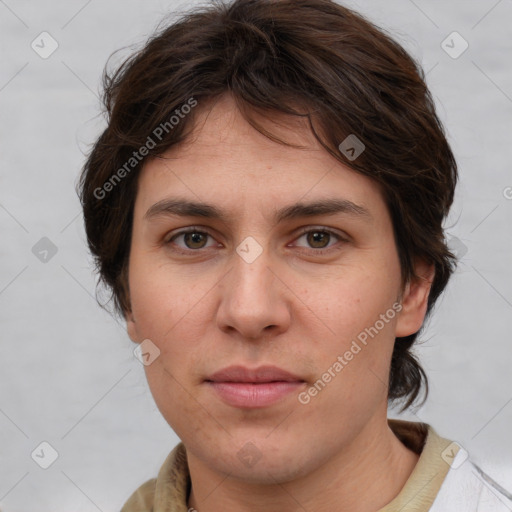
(67, 371)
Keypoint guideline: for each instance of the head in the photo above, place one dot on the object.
(255, 110)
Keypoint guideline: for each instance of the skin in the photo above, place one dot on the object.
(206, 308)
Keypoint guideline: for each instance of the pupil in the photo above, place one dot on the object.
(194, 237)
(316, 236)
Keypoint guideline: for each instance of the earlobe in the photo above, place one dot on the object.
(415, 301)
(131, 327)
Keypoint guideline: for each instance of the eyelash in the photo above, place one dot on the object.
(304, 231)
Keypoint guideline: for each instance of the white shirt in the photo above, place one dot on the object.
(466, 488)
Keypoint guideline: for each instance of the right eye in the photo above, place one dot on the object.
(192, 238)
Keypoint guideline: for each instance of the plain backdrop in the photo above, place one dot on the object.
(68, 376)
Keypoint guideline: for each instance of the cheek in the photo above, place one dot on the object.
(163, 296)
(361, 315)
(179, 405)
(355, 301)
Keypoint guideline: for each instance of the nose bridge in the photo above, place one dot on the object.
(251, 276)
(250, 301)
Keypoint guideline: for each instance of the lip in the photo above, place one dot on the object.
(253, 388)
(256, 375)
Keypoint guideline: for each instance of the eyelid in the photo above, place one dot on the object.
(323, 229)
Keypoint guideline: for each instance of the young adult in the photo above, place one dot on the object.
(266, 204)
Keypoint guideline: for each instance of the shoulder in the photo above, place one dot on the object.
(468, 488)
(171, 486)
(142, 499)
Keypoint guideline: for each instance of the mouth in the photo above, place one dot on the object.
(253, 388)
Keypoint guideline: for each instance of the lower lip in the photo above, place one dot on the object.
(248, 395)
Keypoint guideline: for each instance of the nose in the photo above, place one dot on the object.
(254, 299)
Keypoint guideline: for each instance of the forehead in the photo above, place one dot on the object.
(218, 124)
(227, 161)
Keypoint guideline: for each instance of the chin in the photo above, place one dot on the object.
(263, 461)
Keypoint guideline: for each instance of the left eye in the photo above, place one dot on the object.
(319, 238)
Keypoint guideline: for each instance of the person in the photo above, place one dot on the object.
(266, 205)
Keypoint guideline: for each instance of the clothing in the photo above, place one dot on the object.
(443, 480)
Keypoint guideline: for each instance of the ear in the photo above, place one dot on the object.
(415, 300)
(131, 327)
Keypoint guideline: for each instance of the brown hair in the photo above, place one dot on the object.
(347, 76)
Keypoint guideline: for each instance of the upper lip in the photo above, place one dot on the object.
(261, 374)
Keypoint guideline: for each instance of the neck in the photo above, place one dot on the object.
(362, 477)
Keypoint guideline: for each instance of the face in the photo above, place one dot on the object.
(255, 278)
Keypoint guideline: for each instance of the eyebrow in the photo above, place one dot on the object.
(186, 208)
